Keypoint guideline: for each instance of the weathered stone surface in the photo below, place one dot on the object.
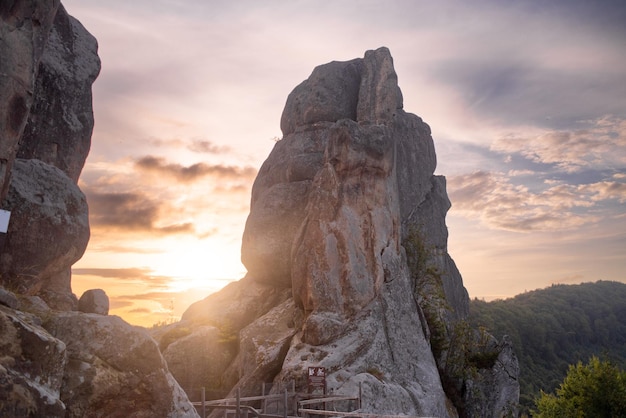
(347, 213)
(262, 349)
(114, 369)
(49, 63)
(200, 359)
(94, 301)
(48, 232)
(32, 363)
(235, 306)
(330, 93)
(60, 122)
(24, 28)
(491, 391)
(8, 298)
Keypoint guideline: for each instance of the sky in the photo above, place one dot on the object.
(526, 101)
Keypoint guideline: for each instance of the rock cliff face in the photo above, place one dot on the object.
(347, 215)
(54, 361)
(46, 205)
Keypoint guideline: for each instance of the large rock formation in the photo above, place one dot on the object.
(46, 204)
(347, 214)
(55, 362)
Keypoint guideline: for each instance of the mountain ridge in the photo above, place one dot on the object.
(554, 327)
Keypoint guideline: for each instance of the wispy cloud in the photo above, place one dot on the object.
(500, 204)
(131, 212)
(601, 144)
(195, 171)
(135, 274)
(200, 146)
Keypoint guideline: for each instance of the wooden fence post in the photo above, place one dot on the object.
(203, 402)
(238, 413)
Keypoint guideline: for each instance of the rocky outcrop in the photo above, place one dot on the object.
(71, 364)
(113, 367)
(55, 73)
(60, 122)
(32, 366)
(347, 214)
(55, 362)
(24, 29)
(48, 232)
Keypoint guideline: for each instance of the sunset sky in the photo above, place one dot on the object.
(526, 101)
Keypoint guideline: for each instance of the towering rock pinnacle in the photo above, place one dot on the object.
(347, 216)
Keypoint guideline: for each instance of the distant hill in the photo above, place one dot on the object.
(555, 327)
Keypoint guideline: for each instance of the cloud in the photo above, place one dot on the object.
(123, 249)
(500, 204)
(140, 311)
(119, 273)
(601, 144)
(193, 172)
(135, 274)
(606, 190)
(129, 211)
(207, 147)
(200, 146)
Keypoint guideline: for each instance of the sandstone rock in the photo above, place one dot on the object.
(60, 122)
(200, 359)
(491, 391)
(347, 213)
(235, 306)
(94, 301)
(49, 231)
(24, 28)
(32, 364)
(262, 349)
(114, 369)
(8, 299)
(329, 94)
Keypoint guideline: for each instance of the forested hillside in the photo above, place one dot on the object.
(555, 327)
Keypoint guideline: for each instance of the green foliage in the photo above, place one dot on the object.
(596, 389)
(461, 352)
(173, 335)
(428, 288)
(228, 335)
(375, 371)
(555, 327)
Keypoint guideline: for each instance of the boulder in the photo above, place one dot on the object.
(94, 301)
(114, 369)
(48, 232)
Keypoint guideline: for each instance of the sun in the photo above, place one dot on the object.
(198, 264)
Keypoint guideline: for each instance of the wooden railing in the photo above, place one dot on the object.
(302, 405)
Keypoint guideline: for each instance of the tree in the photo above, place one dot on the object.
(597, 389)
